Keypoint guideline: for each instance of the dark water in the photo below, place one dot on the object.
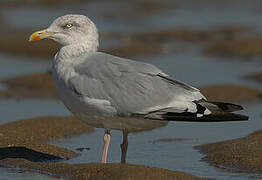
(191, 67)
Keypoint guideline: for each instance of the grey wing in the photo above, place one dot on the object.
(131, 87)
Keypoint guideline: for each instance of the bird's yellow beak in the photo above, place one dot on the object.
(39, 35)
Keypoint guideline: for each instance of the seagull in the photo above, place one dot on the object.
(114, 91)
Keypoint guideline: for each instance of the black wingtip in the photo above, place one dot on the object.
(222, 117)
(228, 107)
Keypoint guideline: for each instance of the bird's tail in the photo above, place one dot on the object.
(218, 112)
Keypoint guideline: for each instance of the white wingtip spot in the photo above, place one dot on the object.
(200, 115)
(207, 111)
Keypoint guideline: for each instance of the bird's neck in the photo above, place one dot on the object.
(69, 52)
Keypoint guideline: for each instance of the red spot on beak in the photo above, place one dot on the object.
(37, 38)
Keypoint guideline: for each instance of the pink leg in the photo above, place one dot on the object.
(106, 144)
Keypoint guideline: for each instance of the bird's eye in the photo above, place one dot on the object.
(68, 25)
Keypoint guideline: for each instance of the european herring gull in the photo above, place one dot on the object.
(98, 85)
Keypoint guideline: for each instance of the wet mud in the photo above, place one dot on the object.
(28, 138)
(231, 93)
(242, 154)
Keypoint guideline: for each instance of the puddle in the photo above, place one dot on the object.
(11, 66)
(13, 109)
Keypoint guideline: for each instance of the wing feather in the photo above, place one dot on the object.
(130, 86)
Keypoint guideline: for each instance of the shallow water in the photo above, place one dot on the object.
(18, 109)
(190, 67)
(205, 70)
(11, 66)
(209, 18)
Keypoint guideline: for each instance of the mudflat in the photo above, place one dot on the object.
(99, 171)
(28, 138)
(242, 154)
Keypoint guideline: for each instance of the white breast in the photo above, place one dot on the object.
(82, 107)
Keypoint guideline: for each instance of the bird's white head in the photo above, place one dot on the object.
(69, 30)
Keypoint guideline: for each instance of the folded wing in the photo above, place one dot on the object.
(131, 87)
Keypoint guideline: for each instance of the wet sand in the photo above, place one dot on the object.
(30, 86)
(257, 77)
(242, 154)
(231, 93)
(246, 48)
(32, 134)
(131, 50)
(16, 42)
(185, 34)
(97, 171)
